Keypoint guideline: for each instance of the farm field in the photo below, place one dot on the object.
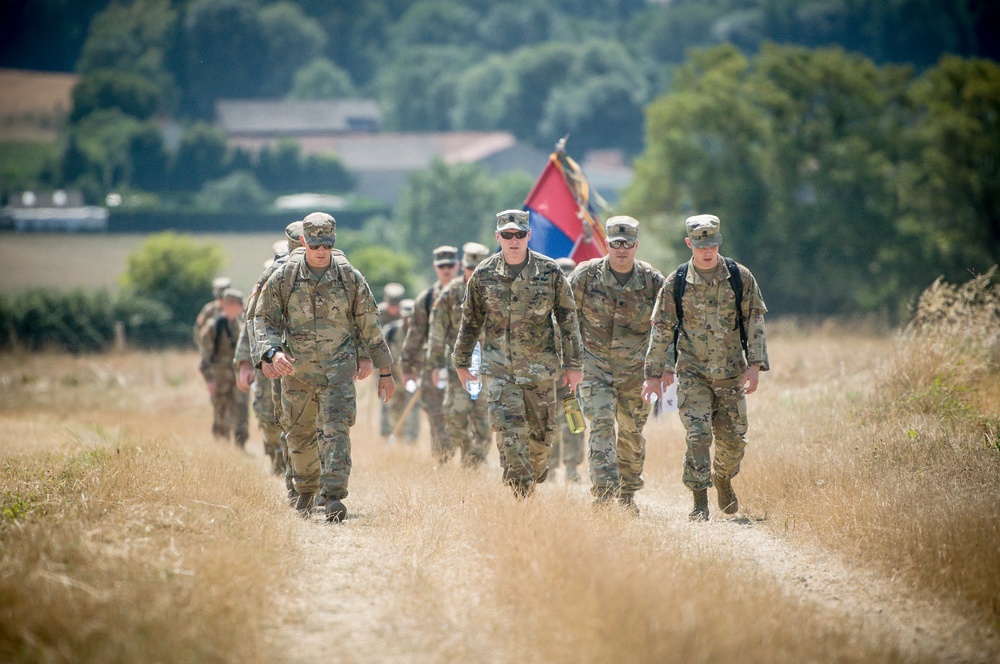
(94, 261)
(33, 105)
(867, 530)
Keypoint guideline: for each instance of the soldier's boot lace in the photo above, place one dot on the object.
(700, 511)
(728, 502)
(336, 511)
(303, 504)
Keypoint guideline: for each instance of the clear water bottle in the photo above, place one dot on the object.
(475, 385)
(411, 386)
(442, 378)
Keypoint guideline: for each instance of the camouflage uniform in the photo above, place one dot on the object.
(467, 424)
(392, 295)
(614, 325)
(414, 352)
(393, 410)
(520, 356)
(710, 366)
(567, 446)
(327, 324)
(211, 309)
(217, 344)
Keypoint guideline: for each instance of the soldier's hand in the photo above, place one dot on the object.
(386, 388)
(245, 377)
(211, 387)
(269, 371)
(283, 364)
(651, 388)
(365, 367)
(572, 378)
(464, 375)
(667, 379)
(750, 379)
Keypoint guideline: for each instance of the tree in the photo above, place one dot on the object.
(202, 155)
(321, 79)
(237, 192)
(292, 39)
(106, 89)
(418, 89)
(433, 22)
(147, 158)
(279, 167)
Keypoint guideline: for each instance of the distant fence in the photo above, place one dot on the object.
(135, 221)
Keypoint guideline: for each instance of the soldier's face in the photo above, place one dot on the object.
(515, 250)
(622, 259)
(446, 273)
(705, 258)
(319, 255)
(232, 309)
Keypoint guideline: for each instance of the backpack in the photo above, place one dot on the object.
(220, 321)
(735, 282)
(347, 276)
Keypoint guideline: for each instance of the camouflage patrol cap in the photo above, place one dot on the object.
(280, 248)
(512, 220)
(445, 255)
(474, 253)
(407, 307)
(293, 232)
(232, 294)
(393, 293)
(567, 264)
(622, 228)
(319, 228)
(703, 231)
(220, 284)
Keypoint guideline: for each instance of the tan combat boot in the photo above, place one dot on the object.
(700, 511)
(728, 502)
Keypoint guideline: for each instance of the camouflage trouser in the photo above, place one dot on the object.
(524, 417)
(712, 408)
(318, 423)
(230, 408)
(392, 411)
(467, 423)
(263, 408)
(567, 445)
(432, 400)
(616, 460)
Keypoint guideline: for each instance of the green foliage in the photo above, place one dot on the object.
(25, 165)
(76, 321)
(292, 39)
(418, 89)
(321, 79)
(238, 192)
(380, 265)
(176, 271)
(203, 155)
(107, 89)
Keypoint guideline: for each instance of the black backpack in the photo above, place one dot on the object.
(735, 282)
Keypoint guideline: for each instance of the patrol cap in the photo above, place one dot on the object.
(232, 294)
(512, 220)
(622, 228)
(293, 232)
(566, 264)
(703, 231)
(319, 228)
(393, 293)
(445, 255)
(407, 307)
(280, 247)
(474, 253)
(220, 284)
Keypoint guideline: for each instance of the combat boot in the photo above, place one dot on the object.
(336, 512)
(700, 511)
(303, 504)
(544, 476)
(627, 501)
(572, 475)
(728, 502)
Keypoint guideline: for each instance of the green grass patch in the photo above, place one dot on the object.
(22, 162)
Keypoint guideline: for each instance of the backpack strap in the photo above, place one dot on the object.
(736, 282)
(680, 284)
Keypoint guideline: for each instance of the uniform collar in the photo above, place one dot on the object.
(529, 268)
(721, 272)
(608, 278)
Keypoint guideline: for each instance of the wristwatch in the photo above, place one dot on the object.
(271, 352)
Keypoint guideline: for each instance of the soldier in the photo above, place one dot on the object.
(388, 308)
(213, 307)
(317, 323)
(615, 295)
(415, 350)
(248, 375)
(511, 299)
(711, 310)
(395, 333)
(466, 426)
(217, 343)
(567, 445)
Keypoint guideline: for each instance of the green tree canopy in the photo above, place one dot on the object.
(321, 79)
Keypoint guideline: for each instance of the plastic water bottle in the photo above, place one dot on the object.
(411, 386)
(574, 416)
(475, 385)
(442, 378)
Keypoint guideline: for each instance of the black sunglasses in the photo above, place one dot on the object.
(321, 246)
(510, 235)
(619, 244)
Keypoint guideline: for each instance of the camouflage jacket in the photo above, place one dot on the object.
(246, 349)
(614, 319)
(395, 334)
(415, 346)
(216, 345)
(446, 318)
(515, 314)
(709, 342)
(209, 311)
(320, 321)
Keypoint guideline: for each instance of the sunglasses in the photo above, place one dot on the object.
(510, 235)
(321, 246)
(621, 244)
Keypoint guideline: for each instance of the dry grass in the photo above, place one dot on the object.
(33, 105)
(891, 454)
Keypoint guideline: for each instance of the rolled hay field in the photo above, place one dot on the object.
(867, 530)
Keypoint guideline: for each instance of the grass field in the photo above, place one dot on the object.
(33, 105)
(98, 260)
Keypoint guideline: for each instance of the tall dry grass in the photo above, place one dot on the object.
(891, 455)
(137, 538)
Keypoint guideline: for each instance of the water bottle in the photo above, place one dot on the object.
(442, 378)
(574, 416)
(475, 385)
(411, 386)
